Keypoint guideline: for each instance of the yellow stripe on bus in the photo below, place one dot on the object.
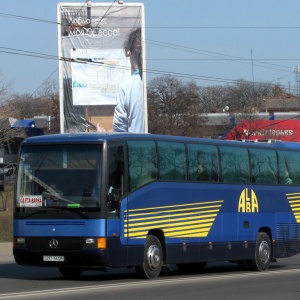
(178, 205)
(175, 216)
(294, 201)
(191, 220)
(172, 226)
(188, 210)
(167, 222)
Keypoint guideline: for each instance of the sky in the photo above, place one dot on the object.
(212, 42)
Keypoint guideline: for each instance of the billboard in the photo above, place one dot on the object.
(102, 76)
(284, 130)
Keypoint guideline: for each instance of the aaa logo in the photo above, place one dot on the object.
(248, 202)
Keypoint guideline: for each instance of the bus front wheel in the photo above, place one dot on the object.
(262, 258)
(153, 258)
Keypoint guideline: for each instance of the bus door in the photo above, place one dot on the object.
(115, 191)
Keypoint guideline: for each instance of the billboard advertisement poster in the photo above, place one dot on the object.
(283, 130)
(102, 67)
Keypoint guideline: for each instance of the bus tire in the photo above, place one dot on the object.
(70, 272)
(153, 259)
(262, 258)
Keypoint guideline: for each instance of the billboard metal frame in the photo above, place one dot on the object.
(62, 57)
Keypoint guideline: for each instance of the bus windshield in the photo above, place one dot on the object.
(60, 176)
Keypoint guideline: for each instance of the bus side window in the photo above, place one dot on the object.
(288, 164)
(142, 163)
(234, 164)
(172, 161)
(263, 166)
(203, 162)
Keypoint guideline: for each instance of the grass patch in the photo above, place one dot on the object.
(6, 214)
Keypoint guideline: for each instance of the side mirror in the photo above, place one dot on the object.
(114, 195)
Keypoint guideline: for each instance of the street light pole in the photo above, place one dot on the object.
(265, 100)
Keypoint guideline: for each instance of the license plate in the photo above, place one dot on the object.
(53, 258)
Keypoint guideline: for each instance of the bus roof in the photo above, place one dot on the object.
(95, 137)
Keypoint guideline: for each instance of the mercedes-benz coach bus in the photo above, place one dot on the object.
(100, 200)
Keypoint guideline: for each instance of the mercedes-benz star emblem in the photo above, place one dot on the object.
(53, 244)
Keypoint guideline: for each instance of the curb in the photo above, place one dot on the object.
(6, 253)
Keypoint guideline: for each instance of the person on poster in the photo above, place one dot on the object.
(129, 111)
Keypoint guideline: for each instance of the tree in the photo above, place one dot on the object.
(240, 97)
(173, 107)
(25, 106)
(213, 99)
(5, 88)
(7, 113)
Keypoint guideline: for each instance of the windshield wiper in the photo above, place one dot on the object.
(40, 211)
(57, 209)
(71, 209)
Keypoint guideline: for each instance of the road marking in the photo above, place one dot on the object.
(149, 282)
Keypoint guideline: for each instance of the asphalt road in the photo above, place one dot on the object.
(218, 281)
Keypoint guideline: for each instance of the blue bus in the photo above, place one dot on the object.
(106, 200)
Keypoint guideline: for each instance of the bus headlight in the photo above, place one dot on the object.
(90, 241)
(99, 243)
(19, 242)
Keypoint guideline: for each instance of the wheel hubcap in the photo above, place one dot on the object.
(264, 252)
(153, 256)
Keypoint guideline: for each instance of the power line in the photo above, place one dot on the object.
(188, 49)
(232, 58)
(27, 53)
(151, 71)
(42, 83)
(105, 14)
(41, 55)
(211, 53)
(214, 55)
(4, 15)
(26, 18)
(225, 59)
(222, 27)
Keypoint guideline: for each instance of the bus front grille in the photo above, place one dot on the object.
(54, 243)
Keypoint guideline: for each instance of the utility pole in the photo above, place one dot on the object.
(252, 68)
(297, 79)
